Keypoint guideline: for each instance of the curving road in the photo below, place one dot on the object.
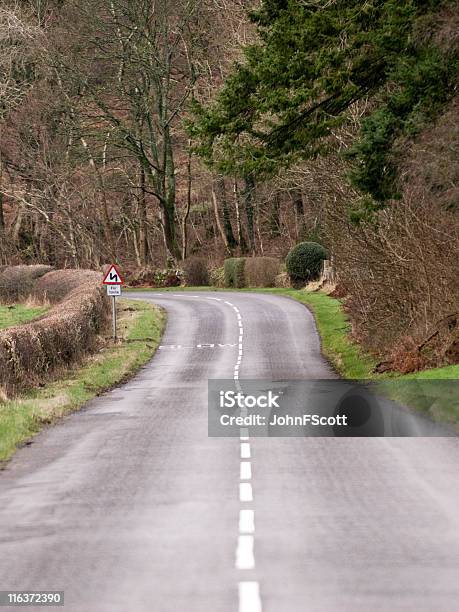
(128, 506)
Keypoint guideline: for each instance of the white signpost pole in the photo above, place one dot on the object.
(114, 317)
(114, 291)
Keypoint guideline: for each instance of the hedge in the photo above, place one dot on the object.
(17, 282)
(234, 272)
(32, 353)
(262, 271)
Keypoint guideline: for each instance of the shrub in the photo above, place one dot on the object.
(167, 278)
(31, 353)
(172, 278)
(17, 282)
(261, 271)
(304, 261)
(234, 272)
(195, 272)
(217, 277)
(57, 285)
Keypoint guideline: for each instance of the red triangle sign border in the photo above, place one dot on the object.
(113, 269)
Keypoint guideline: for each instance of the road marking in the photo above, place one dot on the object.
(249, 597)
(245, 450)
(249, 591)
(245, 559)
(246, 521)
(181, 347)
(245, 492)
(246, 470)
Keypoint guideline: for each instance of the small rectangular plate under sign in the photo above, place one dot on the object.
(113, 290)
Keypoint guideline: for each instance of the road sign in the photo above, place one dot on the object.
(113, 281)
(113, 290)
(113, 276)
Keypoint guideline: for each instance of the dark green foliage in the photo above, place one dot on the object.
(234, 272)
(422, 85)
(313, 62)
(304, 261)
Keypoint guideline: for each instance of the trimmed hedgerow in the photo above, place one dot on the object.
(17, 282)
(261, 271)
(57, 285)
(32, 353)
(235, 272)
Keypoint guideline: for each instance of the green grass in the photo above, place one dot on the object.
(17, 314)
(347, 357)
(140, 329)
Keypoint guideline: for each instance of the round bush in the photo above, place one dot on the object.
(304, 261)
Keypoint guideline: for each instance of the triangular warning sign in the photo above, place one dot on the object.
(113, 276)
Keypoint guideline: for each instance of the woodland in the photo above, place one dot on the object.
(155, 133)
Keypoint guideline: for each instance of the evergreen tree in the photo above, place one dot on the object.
(313, 61)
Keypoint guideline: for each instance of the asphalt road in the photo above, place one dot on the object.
(128, 506)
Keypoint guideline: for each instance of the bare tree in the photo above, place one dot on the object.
(135, 77)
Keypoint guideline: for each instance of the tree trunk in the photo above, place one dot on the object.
(299, 213)
(168, 204)
(228, 228)
(218, 221)
(143, 238)
(249, 187)
(274, 219)
(188, 205)
(240, 233)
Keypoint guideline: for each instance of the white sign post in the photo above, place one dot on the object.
(113, 282)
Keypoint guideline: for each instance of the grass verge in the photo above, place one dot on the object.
(16, 314)
(140, 330)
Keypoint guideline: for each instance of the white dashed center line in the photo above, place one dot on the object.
(244, 553)
(249, 591)
(245, 450)
(246, 470)
(245, 492)
(249, 597)
(246, 521)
